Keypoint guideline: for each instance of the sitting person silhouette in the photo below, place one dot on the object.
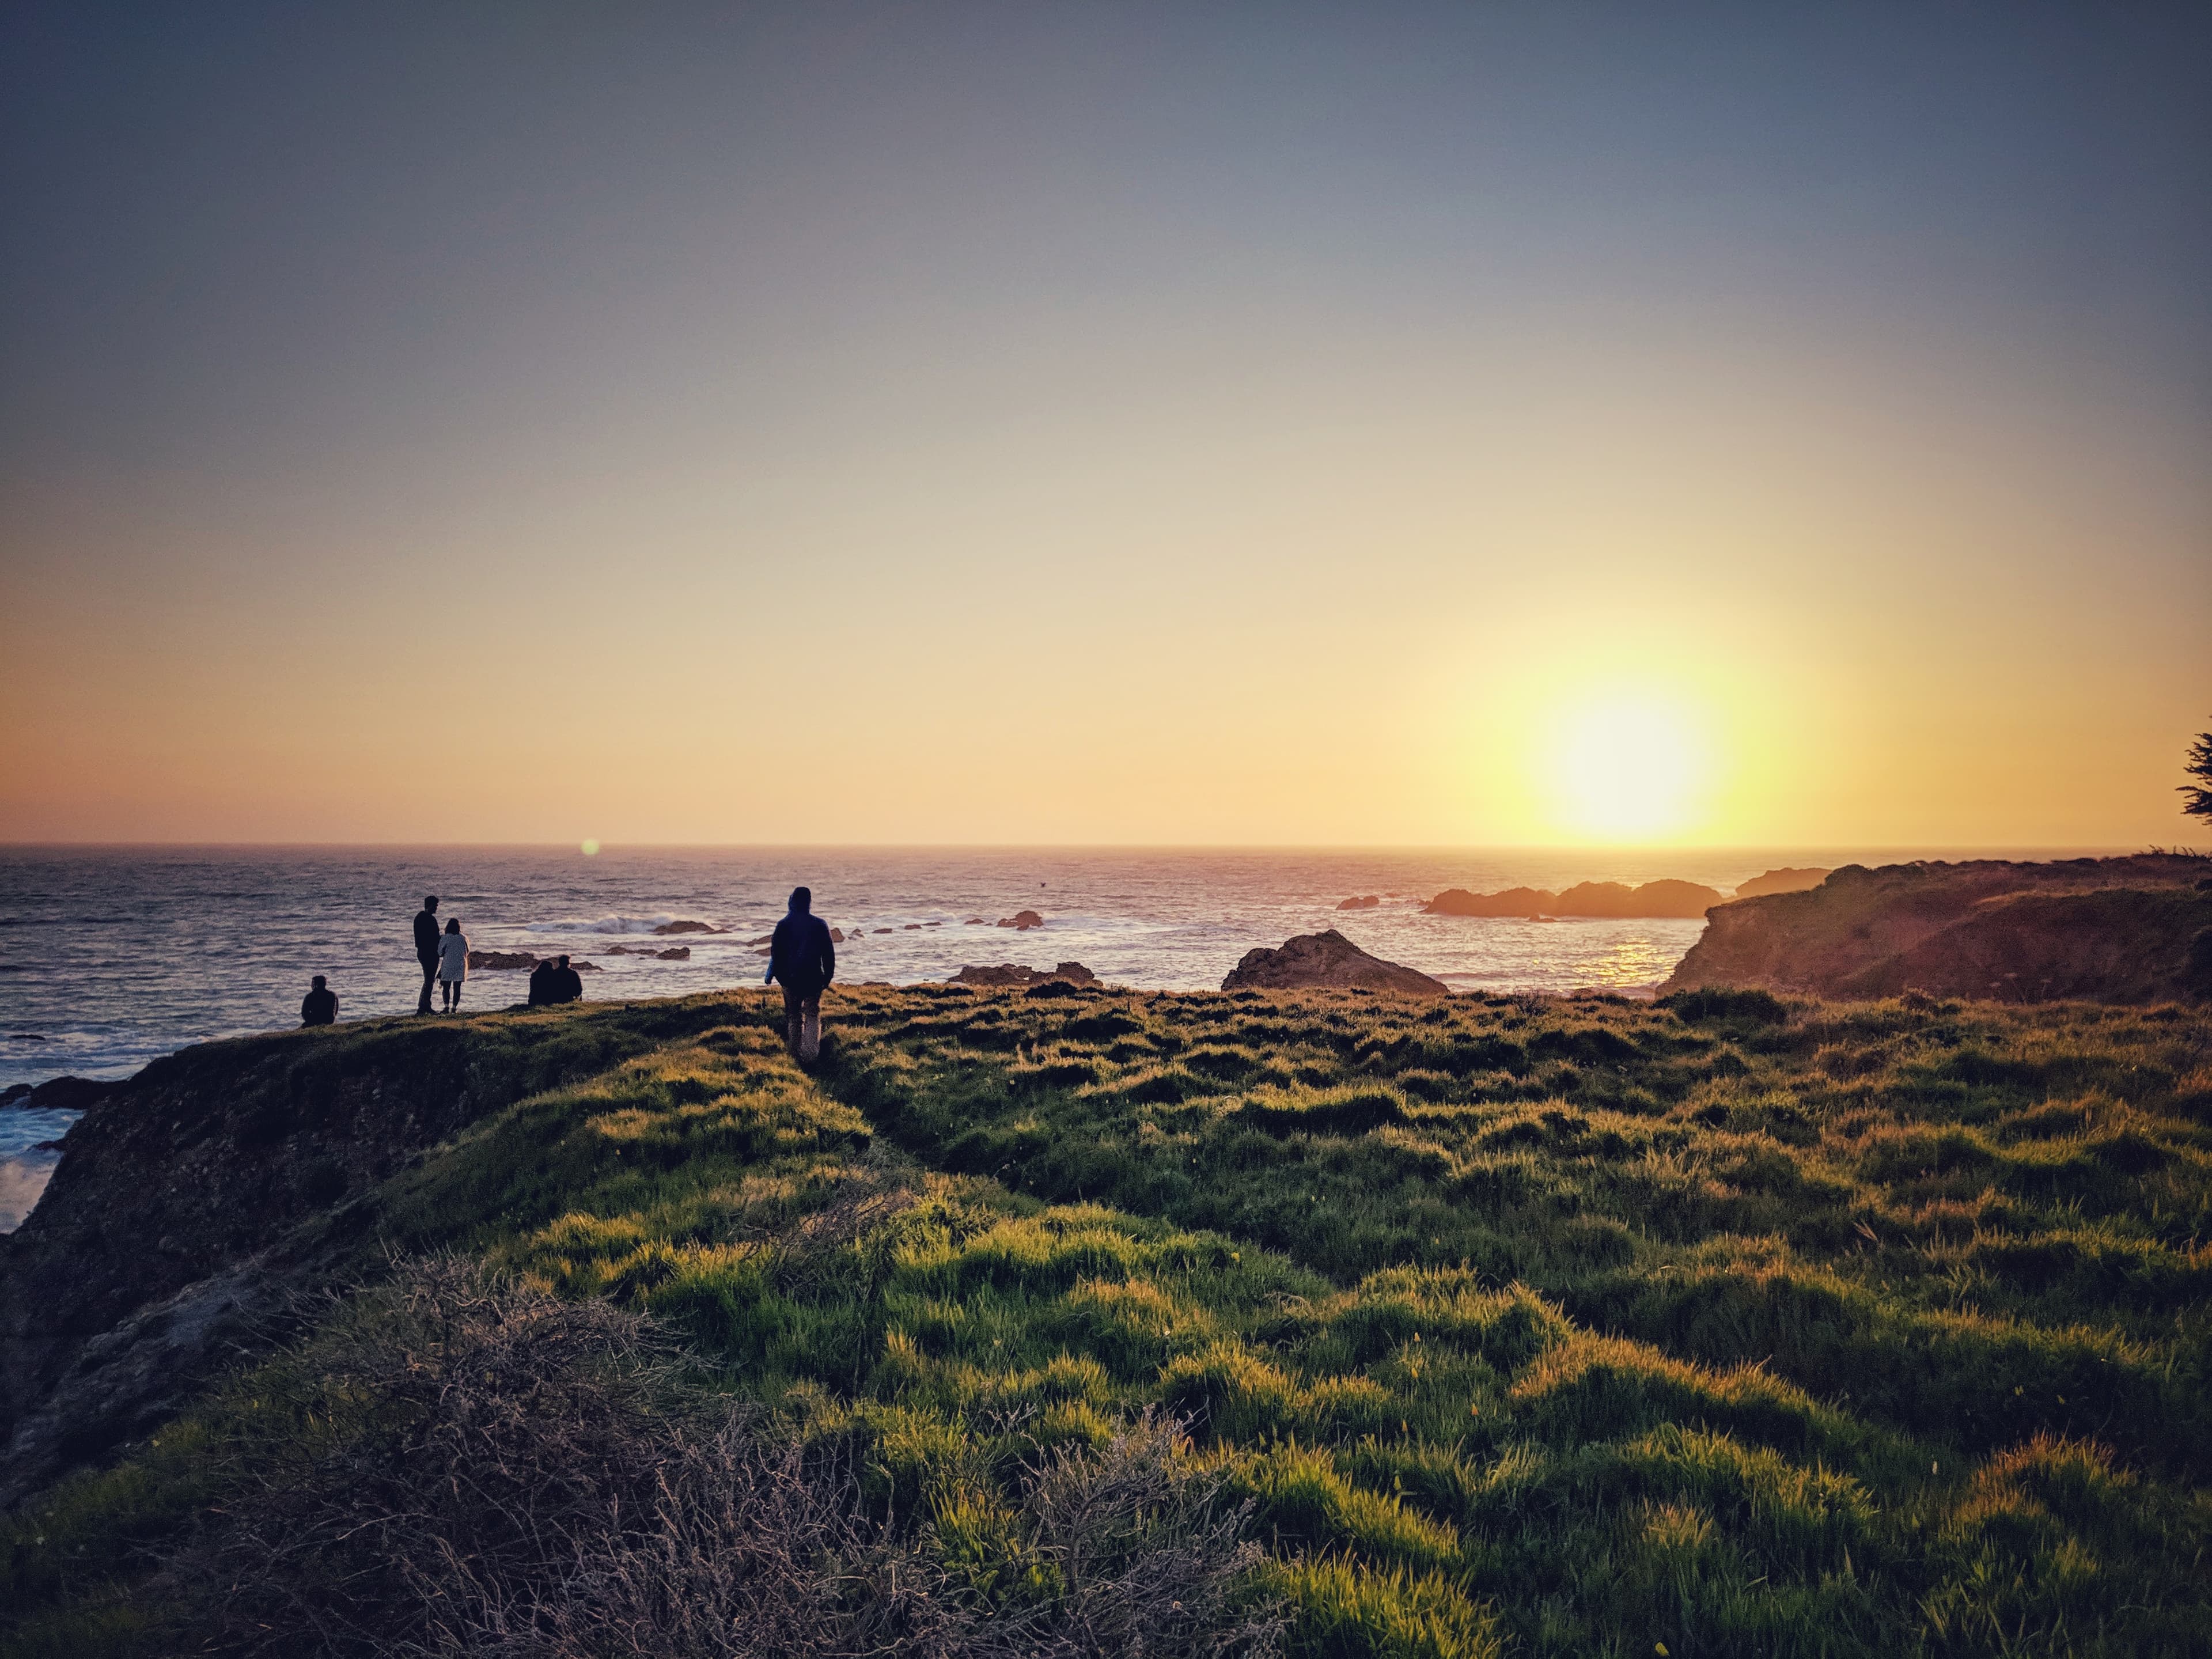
(567, 985)
(540, 984)
(320, 1005)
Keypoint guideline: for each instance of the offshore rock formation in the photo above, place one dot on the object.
(1611, 899)
(1781, 881)
(1073, 973)
(501, 961)
(689, 927)
(1022, 920)
(1327, 961)
(1367, 903)
(2134, 929)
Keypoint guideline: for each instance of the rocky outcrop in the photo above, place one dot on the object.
(1007, 974)
(201, 1166)
(689, 927)
(1781, 881)
(501, 961)
(1367, 904)
(1612, 899)
(1530, 901)
(1328, 960)
(2104, 930)
(673, 953)
(1022, 920)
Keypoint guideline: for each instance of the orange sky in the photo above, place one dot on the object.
(1029, 455)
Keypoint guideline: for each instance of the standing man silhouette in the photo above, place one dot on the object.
(426, 948)
(801, 958)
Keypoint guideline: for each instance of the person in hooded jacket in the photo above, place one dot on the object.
(803, 961)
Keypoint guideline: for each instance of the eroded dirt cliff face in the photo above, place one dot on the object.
(188, 1199)
(2107, 930)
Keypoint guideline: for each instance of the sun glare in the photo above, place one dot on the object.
(1629, 768)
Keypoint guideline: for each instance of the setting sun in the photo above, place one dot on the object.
(1628, 767)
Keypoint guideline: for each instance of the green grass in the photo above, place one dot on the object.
(1730, 1326)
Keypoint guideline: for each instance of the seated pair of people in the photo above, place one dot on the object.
(555, 982)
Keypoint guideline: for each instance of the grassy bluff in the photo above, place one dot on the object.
(1360, 1323)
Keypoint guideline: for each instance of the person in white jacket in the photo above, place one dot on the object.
(453, 964)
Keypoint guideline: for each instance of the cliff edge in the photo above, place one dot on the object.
(2131, 930)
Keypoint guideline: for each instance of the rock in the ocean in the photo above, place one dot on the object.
(689, 927)
(1530, 901)
(499, 960)
(582, 967)
(1781, 881)
(837, 936)
(674, 953)
(1327, 961)
(975, 921)
(883, 930)
(1684, 900)
(1367, 904)
(1073, 973)
(1023, 920)
(1611, 899)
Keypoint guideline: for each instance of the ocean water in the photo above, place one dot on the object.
(110, 957)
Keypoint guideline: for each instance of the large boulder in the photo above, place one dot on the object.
(499, 961)
(1022, 920)
(1367, 902)
(666, 927)
(1329, 961)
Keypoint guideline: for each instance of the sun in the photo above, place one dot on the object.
(1627, 767)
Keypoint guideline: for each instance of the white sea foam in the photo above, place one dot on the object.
(615, 926)
(113, 956)
(28, 1158)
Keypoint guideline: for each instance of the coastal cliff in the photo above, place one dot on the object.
(2128, 930)
(192, 1200)
(608, 1320)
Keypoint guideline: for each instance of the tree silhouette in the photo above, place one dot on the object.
(2199, 803)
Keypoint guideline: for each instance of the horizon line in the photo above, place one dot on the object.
(2107, 848)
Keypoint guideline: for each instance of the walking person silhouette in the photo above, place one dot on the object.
(803, 960)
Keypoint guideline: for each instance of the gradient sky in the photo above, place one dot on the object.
(1358, 424)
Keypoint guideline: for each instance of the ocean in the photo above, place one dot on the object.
(113, 956)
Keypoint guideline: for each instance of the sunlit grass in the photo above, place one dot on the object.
(1547, 1327)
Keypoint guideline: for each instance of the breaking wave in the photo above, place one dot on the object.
(610, 925)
